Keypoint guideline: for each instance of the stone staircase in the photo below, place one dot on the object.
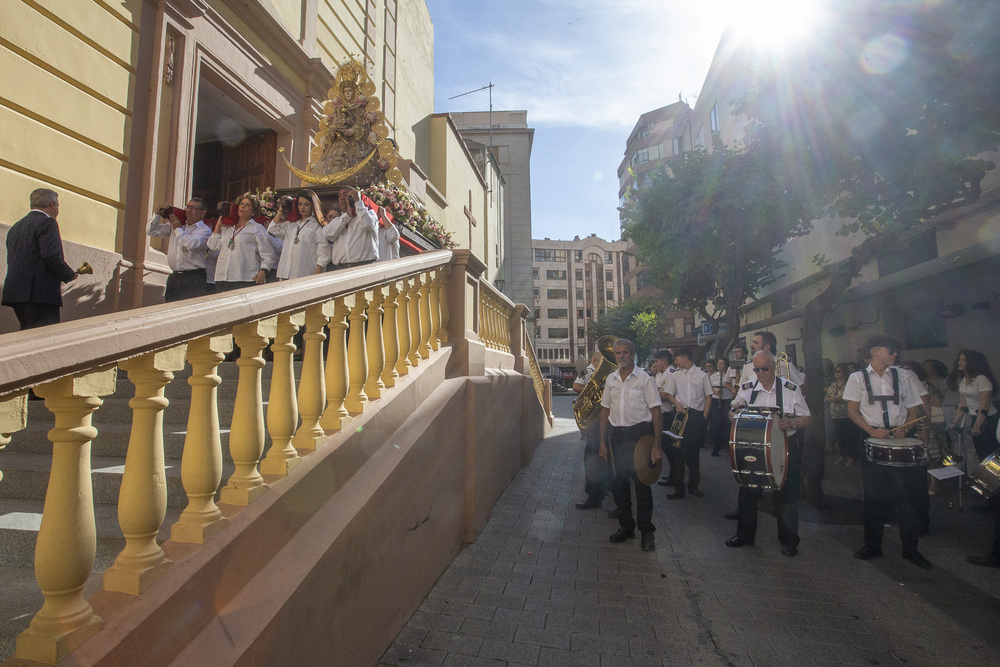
(25, 465)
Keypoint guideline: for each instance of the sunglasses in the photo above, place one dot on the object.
(761, 369)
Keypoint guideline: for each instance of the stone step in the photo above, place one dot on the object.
(26, 477)
(20, 520)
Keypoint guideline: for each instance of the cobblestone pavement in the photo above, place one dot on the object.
(543, 586)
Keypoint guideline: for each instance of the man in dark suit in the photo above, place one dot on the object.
(35, 265)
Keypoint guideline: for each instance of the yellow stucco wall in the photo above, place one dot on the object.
(69, 80)
(414, 79)
(291, 13)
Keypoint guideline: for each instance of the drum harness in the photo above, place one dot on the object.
(884, 400)
(778, 398)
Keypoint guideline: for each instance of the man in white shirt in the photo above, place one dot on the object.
(388, 240)
(765, 340)
(630, 409)
(768, 391)
(187, 249)
(359, 228)
(882, 400)
(662, 367)
(690, 391)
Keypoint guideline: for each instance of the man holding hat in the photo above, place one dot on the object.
(630, 409)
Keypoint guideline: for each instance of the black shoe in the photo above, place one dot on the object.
(789, 551)
(675, 495)
(986, 561)
(613, 514)
(648, 543)
(736, 542)
(590, 503)
(663, 481)
(715, 453)
(621, 535)
(918, 560)
(696, 493)
(867, 553)
(733, 516)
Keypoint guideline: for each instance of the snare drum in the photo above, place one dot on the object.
(757, 449)
(896, 452)
(985, 479)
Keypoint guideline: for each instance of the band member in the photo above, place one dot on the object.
(596, 470)
(882, 400)
(662, 367)
(769, 392)
(187, 251)
(690, 392)
(765, 340)
(630, 409)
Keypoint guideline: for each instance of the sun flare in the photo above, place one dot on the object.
(773, 24)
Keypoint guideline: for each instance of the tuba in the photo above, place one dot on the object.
(587, 405)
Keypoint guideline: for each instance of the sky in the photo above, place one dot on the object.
(584, 70)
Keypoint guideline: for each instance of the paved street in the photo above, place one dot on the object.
(543, 586)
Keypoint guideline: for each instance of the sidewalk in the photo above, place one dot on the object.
(543, 586)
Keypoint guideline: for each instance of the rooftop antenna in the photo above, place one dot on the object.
(489, 87)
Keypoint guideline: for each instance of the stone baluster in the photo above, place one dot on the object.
(374, 345)
(357, 360)
(336, 417)
(312, 390)
(282, 407)
(403, 364)
(142, 500)
(435, 309)
(67, 539)
(390, 336)
(201, 463)
(246, 433)
(444, 273)
(485, 323)
(425, 317)
(413, 308)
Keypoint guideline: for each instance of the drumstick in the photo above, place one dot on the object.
(909, 423)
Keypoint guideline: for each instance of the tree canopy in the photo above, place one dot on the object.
(708, 228)
(635, 319)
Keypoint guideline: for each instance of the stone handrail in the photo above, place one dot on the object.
(382, 320)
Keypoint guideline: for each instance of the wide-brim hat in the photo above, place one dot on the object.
(645, 471)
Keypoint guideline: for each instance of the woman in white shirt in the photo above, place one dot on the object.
(245, 252)
(298, 240)
(974, 380)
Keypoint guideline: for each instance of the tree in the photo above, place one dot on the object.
(885, 117)
(635, 319)
(708, 229)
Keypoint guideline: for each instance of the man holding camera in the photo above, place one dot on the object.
(187, 248)
(355, 232)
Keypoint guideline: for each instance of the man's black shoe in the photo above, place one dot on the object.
(986, 561)
(675, 495)
(736, 542)
(648, 543)
(867, 553)
(590, 503)
(696, 493)
(664, 481)
(621, 535)
(733, 516)
(789, 551)
(918, 560)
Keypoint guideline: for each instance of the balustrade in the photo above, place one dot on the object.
(377, 334)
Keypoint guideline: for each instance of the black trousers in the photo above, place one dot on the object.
(622, 440)
(786, 500)
(597, 472)
(718, 424)
(889, 490)
(689, 454)
(986, 442)
(34, 315)
(185, 285)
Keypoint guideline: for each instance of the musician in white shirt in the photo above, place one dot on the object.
(690, 391)
(765, 340)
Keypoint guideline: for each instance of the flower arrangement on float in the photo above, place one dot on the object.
(406, 211)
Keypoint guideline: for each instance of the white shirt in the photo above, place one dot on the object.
(631, 399)
(747, 375)
(388, 243)
(690, 387)
(793, 403)
(718, 382)
(584, 377)
(970, 392)
(360, 233)
(188, 243)
(251, 252)
(301, 243)
(909, 395)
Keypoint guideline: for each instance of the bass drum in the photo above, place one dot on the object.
(757, 449)
(985, 479)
